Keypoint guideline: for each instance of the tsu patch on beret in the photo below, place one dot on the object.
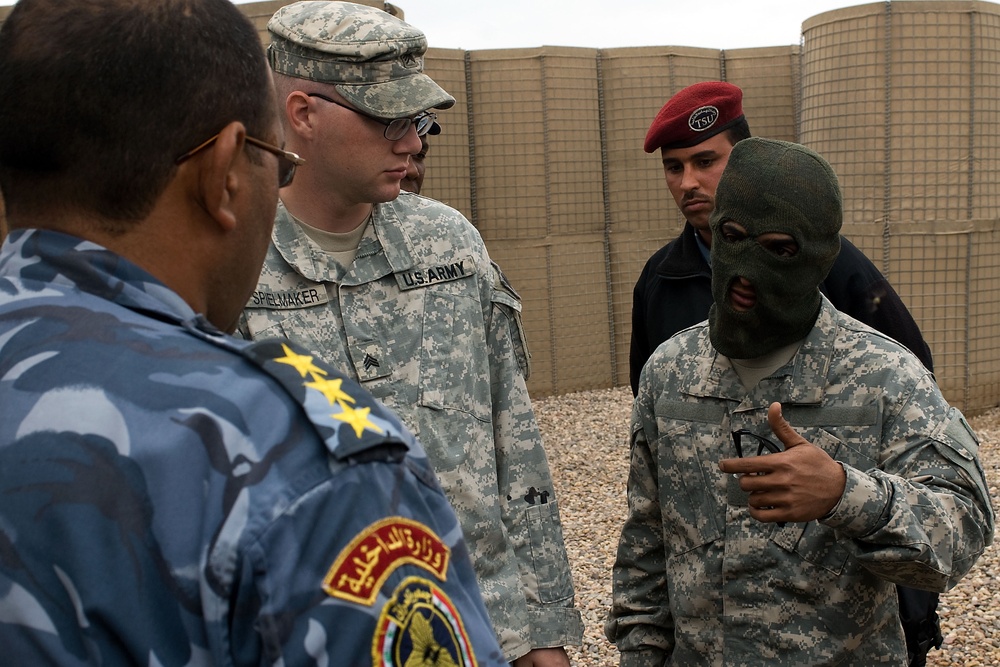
(374, 60)
(695, 114)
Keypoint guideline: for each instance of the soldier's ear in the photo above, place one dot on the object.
(299, 113)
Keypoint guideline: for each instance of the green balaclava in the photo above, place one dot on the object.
(772, 186)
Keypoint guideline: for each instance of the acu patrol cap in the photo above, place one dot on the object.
(695, 114)
(374, 60)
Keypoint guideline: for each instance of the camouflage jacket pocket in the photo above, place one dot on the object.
(454, 364)
(691, 487)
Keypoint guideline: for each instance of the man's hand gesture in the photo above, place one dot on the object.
(800, 484)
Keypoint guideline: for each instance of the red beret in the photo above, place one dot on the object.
(694, 114)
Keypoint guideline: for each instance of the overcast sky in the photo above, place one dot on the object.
(604, 24)
(500, 24)
(717, 24)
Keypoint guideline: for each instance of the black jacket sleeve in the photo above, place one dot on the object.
(856, 287)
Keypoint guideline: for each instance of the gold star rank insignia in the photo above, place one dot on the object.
(300, 362)
(331, 389)
(358, 419)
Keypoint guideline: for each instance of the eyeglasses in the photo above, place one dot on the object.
(396, 128)
(762, 443)
(287, 160)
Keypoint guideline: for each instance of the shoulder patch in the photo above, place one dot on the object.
(510, 302)
(363, 566)
(419, 625)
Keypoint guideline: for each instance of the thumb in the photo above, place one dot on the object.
(788, 436)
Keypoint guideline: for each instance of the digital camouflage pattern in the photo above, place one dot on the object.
(697, 581)
(375, 60)
(173, 496)
(423, 320)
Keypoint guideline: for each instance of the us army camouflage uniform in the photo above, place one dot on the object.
(426, 324)
(174, 496)
(699, 582)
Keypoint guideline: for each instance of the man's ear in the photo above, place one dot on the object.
(297, 108)
(220, 176)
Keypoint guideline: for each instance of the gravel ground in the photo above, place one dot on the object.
(585, 437)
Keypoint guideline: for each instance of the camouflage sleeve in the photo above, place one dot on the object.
(361, 555)
(924, 516)
(509, 303)
(285, 518)
(528, 503)
(403, 585)
(640, 623)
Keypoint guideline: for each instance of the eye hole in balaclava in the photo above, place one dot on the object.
(778, 244)
(775, 235)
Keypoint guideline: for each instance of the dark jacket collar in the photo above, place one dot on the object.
(683, 258)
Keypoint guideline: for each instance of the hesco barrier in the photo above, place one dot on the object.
(546, 159)
(903, 98)
(543, 153)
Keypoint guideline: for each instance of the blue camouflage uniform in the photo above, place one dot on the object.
(698, 581)
(173, 496)
(428, 325)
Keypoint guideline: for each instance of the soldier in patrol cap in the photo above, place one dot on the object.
(789, 464)
(399, 291)
(694, 133)
(173, 495)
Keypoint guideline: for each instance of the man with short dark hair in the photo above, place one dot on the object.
(414, 179)
(400, 291)
(789, 464)
(172, 495)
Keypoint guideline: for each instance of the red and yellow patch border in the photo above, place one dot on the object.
(363, 565)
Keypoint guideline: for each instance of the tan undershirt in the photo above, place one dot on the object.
(341, 246)
(752, 371)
